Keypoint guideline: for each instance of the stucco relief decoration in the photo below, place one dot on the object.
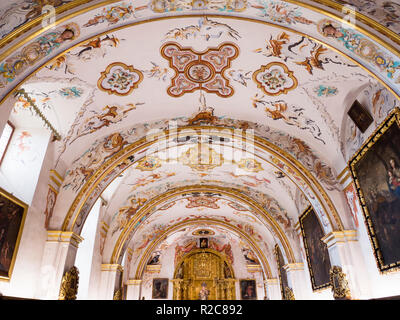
(119, 79)
(275, 79)
(199, 70)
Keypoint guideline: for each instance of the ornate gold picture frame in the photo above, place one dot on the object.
(376, 173)
(12, 217)
(316, 250)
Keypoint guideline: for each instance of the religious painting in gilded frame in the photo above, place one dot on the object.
(160, 288)
(12, 218)
(317, 254)
(283, 281)
(375, 169)
(248, 289)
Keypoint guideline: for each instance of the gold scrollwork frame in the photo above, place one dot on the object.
(392, 119)
(23, 205)
(315, 288)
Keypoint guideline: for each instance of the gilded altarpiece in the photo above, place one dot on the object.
(204, 268)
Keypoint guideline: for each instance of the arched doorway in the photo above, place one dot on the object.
(204, 268)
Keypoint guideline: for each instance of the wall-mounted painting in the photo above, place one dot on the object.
(376, 172)
(283, 281)
(160, 288)
(316, 250)
(248, 289)
(12, 217)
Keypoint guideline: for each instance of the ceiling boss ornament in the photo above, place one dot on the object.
(119, 79)
(275, 79)
(199, 70)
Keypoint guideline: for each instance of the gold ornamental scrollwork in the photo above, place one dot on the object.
(340, 286)
(289, 295)
(69, 285)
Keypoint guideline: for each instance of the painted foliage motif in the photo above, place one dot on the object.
(376, 172)
(275, 79)
(316, 250)
(12, 215)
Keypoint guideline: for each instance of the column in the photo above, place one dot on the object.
(58, 257)
(273, 289)
(345, 252)
(133, 289)
(109, 280)
(5, 109)
(298, 281)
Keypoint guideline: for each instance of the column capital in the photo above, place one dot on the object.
(64, 236)
(339, 237)
(111, 267)
(294, 266)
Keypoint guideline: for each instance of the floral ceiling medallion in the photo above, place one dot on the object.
(275, 79)
(200, 70)
(119, 79)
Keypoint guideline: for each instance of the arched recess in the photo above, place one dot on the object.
(146, 255)
(280, 22)
(129, 155)
(143, 213)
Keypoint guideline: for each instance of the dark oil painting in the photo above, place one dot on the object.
(376, 173)
(160, 288)
(317, 253)
(12, 215)
(248, 289)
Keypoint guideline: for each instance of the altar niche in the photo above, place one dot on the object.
(204, 274)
